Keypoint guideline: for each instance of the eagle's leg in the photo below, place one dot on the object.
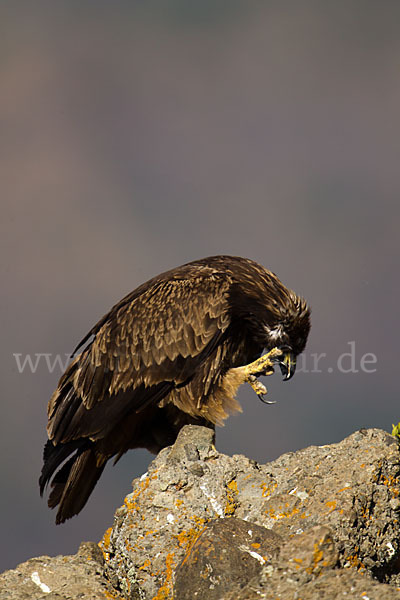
(262, 366)
(225, 394)
(249, 373)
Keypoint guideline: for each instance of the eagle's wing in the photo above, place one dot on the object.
(141, 350)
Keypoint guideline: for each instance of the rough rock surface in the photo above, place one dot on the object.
(59, 578)
(320, 523)
(350, 489)
(222, 558)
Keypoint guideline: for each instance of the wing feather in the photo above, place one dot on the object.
(155, 341)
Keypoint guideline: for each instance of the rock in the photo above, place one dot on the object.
(306, 555)
(226, 553)
(349, 489)
(330, 585)
(319, 523)
(78, 577)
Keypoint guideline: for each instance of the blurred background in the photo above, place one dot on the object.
(136, 136)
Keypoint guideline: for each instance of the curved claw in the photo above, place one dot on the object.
(261, 397)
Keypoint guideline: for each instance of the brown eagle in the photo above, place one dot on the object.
(173, 351)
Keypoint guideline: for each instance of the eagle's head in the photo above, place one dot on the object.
(274, 315)
(287, 328)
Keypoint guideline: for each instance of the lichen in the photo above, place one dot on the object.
(268, 488)
(104, 543)
(165, 592)
(232, 498)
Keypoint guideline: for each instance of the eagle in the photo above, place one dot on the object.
(172, 352)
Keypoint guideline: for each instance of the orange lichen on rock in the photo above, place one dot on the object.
(268, 488)
(392, 483)
(104, 543)
(282, 513)
(145, 565)
(353, 561)
(166, 590)
(231, 496)
(331, 505)
(130, 500)
(186, 538)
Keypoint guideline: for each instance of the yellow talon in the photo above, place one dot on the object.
(257, 386)
(249, 373)
(263, 365)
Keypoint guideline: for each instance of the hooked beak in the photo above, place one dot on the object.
(287, 365)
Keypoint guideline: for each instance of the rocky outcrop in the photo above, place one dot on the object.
(345, 496)
(320, 522)
(78, 577)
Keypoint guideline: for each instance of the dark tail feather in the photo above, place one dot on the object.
(58, 483)
(74, 482)
(83, 475)
(53, 456)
